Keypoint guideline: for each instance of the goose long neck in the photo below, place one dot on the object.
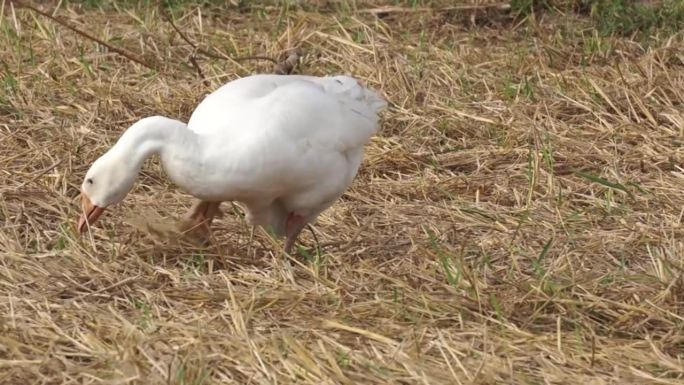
(156, 135)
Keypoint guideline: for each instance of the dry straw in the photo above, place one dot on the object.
(517, 221)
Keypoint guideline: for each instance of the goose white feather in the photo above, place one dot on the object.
(285, 146)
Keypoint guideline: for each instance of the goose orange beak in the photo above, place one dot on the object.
(90, 213)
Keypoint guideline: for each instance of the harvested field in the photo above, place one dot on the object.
(518, 220)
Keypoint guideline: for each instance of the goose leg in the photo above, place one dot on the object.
(294, 225)
(198, 219)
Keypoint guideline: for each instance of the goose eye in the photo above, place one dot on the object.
(89, 180)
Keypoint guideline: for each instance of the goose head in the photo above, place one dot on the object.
(106, 183)
(112, 176)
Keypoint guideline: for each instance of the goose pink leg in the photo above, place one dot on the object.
(295, 224)
(199, 218)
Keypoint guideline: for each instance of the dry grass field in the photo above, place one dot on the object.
(518, 219)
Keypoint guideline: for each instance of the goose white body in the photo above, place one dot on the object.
(279, 144)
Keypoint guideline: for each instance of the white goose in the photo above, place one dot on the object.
(284, 146)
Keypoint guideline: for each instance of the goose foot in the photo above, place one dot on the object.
(197, 220)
